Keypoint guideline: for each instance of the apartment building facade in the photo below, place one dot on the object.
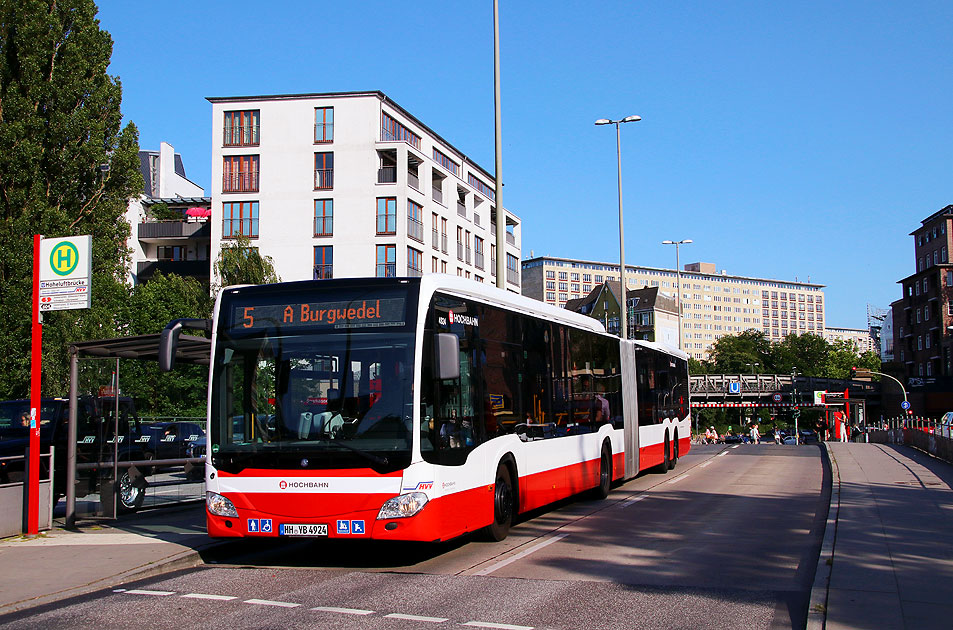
(350, 184)
(921, 318)
(176, 241)
(713, 303)
(861, 338)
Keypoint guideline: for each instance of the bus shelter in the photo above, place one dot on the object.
(190, 350)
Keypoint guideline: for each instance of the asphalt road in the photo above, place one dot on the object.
(729, 539)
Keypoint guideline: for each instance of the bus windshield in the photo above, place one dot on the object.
(295, 394)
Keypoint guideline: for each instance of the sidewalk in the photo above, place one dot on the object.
(891, 562)
(63, 563)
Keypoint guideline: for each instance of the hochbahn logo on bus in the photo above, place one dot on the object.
(461, 318)
(284, 485)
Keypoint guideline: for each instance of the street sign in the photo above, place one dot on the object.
(905, 405)
(776, 397)
(819, 397)
(734, 387)
(65, 272)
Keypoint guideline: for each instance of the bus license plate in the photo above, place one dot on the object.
(290, 529)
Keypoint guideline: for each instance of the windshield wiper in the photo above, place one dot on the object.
(380, 461)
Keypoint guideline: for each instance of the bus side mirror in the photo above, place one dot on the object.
(169, 339)
(447, 359)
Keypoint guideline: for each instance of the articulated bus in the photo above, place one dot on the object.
(423, 409)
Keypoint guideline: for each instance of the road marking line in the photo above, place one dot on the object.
(629, 502)
(136, 591)
(522, 554)
(722, 454)
(679, 478)
(267, 602)
(417, 618)
(119, 590)
(345, 611)
(220, 598)
(736, 446)
(706, 463)
(496, 626)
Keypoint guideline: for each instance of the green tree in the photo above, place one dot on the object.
(240, 263)
(151, 306)
(736, 354)
(808, 353)
(66, 168)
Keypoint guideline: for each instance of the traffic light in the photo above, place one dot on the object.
(853, 373)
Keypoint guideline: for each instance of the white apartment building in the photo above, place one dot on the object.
(351, 185)
(713, 303)
(860, 338)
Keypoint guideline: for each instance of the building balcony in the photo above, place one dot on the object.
(461, 209)
(240, 136)
(323, 272)
(163, 230)
(437, 196)
(435, 237)
(240, 182)
(386, 270)
(387, 175)
(323, 178)
(415, 230)
(198, 269)
(478, 260)
(413, 181)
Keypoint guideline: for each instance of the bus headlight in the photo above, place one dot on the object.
(219, 505)
(403, 506)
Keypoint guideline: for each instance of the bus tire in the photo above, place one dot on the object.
(666, 457)
(502, 505)
(674, 459)
(605, 473)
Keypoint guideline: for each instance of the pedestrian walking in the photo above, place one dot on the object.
(755, 435)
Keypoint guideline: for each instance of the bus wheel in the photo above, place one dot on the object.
(674, 459)
(605, 473)
(667, 459)
(502, 505)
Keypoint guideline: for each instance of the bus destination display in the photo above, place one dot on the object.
(360, 313)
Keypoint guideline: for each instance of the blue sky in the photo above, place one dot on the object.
(788, 140)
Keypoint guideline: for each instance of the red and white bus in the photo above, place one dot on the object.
(423, 409)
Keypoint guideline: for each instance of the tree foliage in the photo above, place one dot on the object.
(151, 307)
(66, 168)
(240, 263)
(809, 354)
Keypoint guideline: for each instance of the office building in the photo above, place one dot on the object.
(352, 185)
(714, 303)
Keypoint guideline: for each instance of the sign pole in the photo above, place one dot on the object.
(36, 371)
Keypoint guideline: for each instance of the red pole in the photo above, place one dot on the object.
(36, 364)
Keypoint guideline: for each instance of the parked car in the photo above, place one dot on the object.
(97, 442)
(170, 440)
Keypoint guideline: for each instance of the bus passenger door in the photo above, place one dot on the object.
(630, 409)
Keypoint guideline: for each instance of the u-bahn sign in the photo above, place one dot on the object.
(65, 271)
(734, 387)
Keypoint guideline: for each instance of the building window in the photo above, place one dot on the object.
(170, 252)
(480, 187)
(551, 275)
(241, 129)
(386, 215)
(240, 218)
(323, 124)
(478, 252)
(446, 162)
(391, 130)
(324, 171)
(386, 261)
(323, 217)
(240, 173)
(415, 262)
(323, 262)
(415, 223)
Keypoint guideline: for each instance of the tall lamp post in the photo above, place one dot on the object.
(618, 151)
(797, 409)
(678, 281)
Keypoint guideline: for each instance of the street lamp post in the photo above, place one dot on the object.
(797, 410)
(678, 281)
(624, 323)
